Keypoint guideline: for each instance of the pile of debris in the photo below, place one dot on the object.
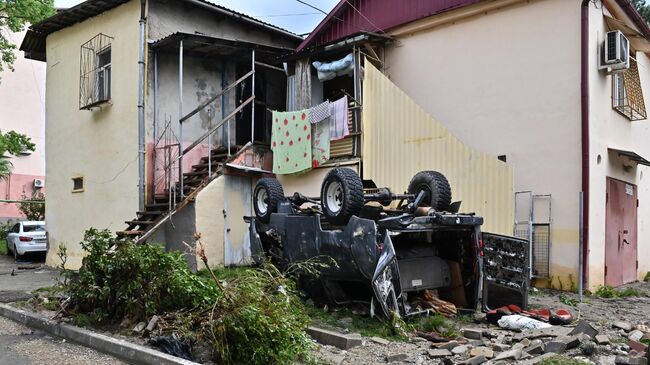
(621, 343)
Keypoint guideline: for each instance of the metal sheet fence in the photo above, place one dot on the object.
(400, 139)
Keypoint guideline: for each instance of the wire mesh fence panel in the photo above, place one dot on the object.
(541, 250)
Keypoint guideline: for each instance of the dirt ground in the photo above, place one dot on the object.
(601, 313)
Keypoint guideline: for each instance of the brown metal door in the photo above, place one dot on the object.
(620, 233)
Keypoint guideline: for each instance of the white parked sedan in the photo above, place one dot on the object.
(28, 236)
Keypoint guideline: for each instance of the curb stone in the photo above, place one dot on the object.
(122, 349)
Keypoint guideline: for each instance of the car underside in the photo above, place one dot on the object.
(390, 250)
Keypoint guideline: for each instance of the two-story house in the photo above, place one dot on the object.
(145, 101)
(523, 80)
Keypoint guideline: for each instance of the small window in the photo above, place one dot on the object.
(34, 228)
(503, 158)
(77, 184)
(96, 70)
(16, 228)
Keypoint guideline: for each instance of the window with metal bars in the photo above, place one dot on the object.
(95, 72)
(627, 95)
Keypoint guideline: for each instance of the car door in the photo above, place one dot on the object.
(13, 236)
(506, 268)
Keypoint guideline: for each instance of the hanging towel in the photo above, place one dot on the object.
(291, 142)
(320, 148)
(339, 119)
(319, 112)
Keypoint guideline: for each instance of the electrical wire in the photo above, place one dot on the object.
(283, 15)
(364, 17)
(315, 8)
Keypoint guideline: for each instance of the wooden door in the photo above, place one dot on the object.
(620, 233)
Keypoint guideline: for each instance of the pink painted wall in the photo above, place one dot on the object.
(22, 109)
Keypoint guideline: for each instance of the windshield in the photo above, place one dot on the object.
(34, 228)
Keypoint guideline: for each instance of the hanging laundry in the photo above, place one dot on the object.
(291, 142)
(319, 112)
(339, 118)
(320, 148)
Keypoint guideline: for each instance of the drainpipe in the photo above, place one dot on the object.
(141, 147)
(584, 109)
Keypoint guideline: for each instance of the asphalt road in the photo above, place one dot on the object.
(17, 280)
(20, 345)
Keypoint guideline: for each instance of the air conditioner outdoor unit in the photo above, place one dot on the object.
(615, 52)
(39, 183)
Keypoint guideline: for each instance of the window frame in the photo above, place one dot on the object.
(78, 178)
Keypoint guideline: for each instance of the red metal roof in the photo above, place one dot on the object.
(353, 16)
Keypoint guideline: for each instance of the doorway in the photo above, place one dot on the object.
(620, 233)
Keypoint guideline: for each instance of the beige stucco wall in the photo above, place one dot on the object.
(610, 129)
(507, 82)
(220, 209)
(100, 145)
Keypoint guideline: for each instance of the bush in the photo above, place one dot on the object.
(261, 320)
(134, 281)
(606, 291)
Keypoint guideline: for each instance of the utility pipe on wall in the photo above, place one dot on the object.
(584, 110)
(180, 115)
(141, 143)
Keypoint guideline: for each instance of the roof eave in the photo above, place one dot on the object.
(636, 17)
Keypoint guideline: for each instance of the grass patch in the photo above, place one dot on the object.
(3, 246)
(568, 300)
(606, 291)
(561, 360)
(344, 318)
(437, 323)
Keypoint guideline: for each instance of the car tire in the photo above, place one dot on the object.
(267, 196)
(16, 255)
(341, 195)
(436, 188)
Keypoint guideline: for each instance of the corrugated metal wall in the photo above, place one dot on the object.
(400, 139)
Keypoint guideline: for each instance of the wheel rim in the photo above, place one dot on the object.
(334, 197)
(262, 201)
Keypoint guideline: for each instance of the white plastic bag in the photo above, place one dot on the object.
(517, 322)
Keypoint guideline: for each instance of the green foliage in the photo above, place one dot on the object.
(436, 323)
(643, 9)
(568, 300)
(562, 360)
(33, 207)
(14, 15)
(125, 280)
(647, 276)
(3, 246)
(606, 291)
(261, 320)
(11, 143)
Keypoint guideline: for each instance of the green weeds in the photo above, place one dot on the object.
(606, 291)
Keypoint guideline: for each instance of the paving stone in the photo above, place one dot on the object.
(638, 346)
(622, 325)
(446, 345)
(535, 349)
(380, 340)
(553, 331)
(477, 342)
(479, 317)
(500, 347)
(474, 334)
(570, 341)
(626, 360)
(556, 347)
(525, 342)
(460, 350)
(584, 327)
(439, 353)
(153, 322)
(635, 335)
(476, 360)
(602, 339)
(482, 351)
(396, 357)
(336, 339)
(139, 327)
(537, 359)
(510, 354)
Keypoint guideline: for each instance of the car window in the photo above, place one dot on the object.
(34, 228)
(16, 228)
